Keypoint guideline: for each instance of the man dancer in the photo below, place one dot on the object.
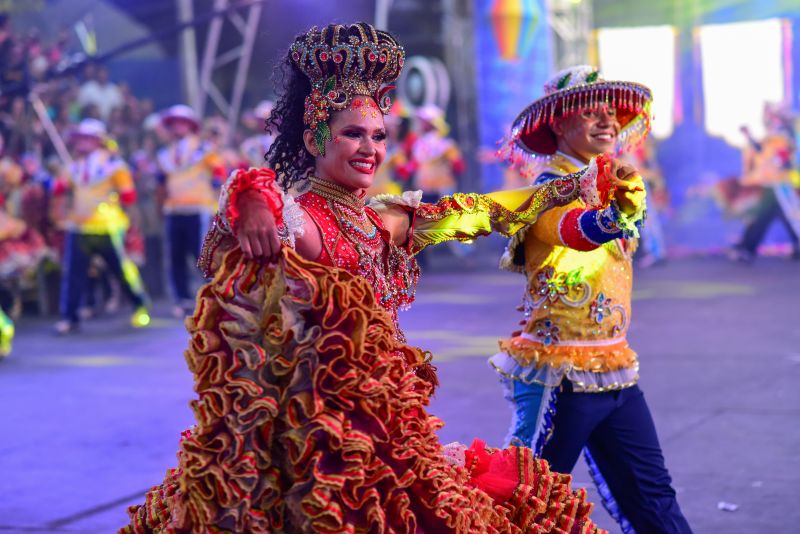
(191, 170)
(570, 374)
(770, 164)
(101, 184)
(254, 149)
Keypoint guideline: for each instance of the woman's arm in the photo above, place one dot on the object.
(262, 218)
(464, 217)
(397, 221)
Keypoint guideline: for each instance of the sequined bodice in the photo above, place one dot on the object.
(575, 296)
(354, 239)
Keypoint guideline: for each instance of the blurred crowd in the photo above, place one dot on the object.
(75, 146)
(103, 196)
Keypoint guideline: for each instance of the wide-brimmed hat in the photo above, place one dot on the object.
(89, 128)
(570, 91)
(433, 115)
(180, 112)
(264, 109)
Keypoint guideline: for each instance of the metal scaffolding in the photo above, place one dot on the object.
(243, 16)
(570, 23)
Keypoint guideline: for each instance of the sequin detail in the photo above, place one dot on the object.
(390, 270)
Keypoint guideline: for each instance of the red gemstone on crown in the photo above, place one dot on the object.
(324, 56)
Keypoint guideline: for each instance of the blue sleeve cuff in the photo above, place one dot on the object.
(600, 226)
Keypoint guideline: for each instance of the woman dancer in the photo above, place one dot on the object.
(311, 408)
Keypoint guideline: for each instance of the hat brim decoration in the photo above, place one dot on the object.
(178, 113)
(532, 142)
(172, 119)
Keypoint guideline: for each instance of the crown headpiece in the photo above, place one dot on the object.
(342, 62)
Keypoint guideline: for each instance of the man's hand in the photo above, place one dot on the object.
(256, 229)
(630, 193)
(625, 176)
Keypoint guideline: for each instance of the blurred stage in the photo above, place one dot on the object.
(93, 420)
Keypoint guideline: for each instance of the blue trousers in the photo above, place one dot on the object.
(184, 239)
(617, 430)
(78, 250)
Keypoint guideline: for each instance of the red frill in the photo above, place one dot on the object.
(604, 183)
(261, 180)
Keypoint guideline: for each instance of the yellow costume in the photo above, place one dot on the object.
(191, 168)
(577, 302)
(100, 183)
(570, 375)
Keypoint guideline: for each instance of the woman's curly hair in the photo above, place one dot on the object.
(287, 155)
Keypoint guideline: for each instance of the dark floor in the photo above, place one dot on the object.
(91, 421)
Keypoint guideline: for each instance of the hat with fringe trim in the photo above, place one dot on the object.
(181, 112)
(89, 128)
(575, 90)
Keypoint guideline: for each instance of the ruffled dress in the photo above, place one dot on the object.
(311, 410)
(21, 248)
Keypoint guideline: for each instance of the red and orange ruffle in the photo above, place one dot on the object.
(311, 419)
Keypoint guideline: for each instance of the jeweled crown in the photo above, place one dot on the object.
(342, 61)
(360, 58)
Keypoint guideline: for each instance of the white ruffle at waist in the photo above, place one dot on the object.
(548, 375)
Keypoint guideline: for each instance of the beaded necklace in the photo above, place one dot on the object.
(348, 208)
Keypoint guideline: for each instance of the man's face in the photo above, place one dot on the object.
(587, 134)
(180, 128)
(83, 145)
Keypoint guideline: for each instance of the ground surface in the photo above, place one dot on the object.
(91, 421)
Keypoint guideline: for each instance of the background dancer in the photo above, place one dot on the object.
(101, 186)
(191, 172)
(770, 164)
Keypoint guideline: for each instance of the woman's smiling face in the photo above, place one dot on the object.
(357, 147)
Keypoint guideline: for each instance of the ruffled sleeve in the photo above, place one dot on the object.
(466, 216)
